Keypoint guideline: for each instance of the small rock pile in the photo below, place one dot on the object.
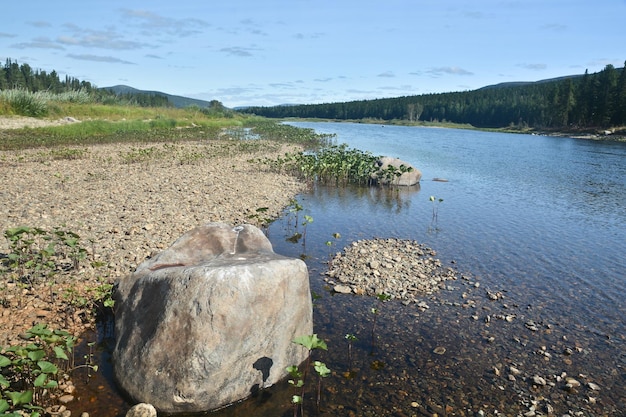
(402, 269)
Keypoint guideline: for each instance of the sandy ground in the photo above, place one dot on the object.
(18, 122)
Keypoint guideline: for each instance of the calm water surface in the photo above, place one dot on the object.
(541, 220)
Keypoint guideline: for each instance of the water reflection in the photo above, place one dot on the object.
(389, 200)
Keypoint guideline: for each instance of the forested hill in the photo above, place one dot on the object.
(582, 101)
(175, 101)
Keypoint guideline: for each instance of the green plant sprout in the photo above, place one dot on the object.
(322, 372)
(260, 217)
(297, 383)
(36, 253)
(307, 220)
(436, 202)
(331, 244)
(294, 208)
(351, 339)
(383, 298)
(298, 378)
(29, 374)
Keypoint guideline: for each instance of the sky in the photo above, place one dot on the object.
(270, 52)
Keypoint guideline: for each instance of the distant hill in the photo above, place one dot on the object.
(176, 101)
(526, 83)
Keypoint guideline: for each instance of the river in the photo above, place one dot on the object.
(542, 220)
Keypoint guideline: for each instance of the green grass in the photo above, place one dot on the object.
(121, 123)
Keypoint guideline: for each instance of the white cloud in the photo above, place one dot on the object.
(98, 58)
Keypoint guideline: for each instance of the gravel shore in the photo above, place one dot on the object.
(125, 202)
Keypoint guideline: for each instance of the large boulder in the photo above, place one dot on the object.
(395, 171)
(210, 320)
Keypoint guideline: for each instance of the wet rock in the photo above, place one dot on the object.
(439, 350)
(209, 320)
(592, 386)
(537, 380)
(342, 289)
(142, 410)
(571, 384)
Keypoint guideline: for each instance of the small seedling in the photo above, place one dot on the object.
(436, 202)
(331, 244)
(307, 220)
(351, 339)
(375, 311)
(322, 372)
(298, 378)
(297, 383)
(29, 374)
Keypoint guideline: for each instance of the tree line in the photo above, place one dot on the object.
(582, 101)
(15, 76)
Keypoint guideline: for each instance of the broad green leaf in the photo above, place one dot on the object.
(36, 355)
(19, 398)
(4, 361)
(40, 380)
(51, 384)
(4, 405)
(60, 353)
(310, 342)
(3, 383)
(47, 367)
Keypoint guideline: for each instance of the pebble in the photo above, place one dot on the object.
(67, 398)
(537, 380)
(593, 387)
(439, 350)
(342, 289)
(142, 410)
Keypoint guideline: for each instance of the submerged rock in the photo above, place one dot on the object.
(210, 320)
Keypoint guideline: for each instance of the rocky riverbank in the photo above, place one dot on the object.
(125, 202)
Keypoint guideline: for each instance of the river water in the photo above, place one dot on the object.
(541, 221)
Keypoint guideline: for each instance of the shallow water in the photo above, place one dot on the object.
(541, 220)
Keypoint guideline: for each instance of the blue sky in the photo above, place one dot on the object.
(251, 52)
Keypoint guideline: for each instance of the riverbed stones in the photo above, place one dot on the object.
(407, 174)
(402, 269)
(210, 320)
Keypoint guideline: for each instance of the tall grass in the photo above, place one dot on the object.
(25, 103)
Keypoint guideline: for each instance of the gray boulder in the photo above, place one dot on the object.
(210, 320)
(407, 174)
